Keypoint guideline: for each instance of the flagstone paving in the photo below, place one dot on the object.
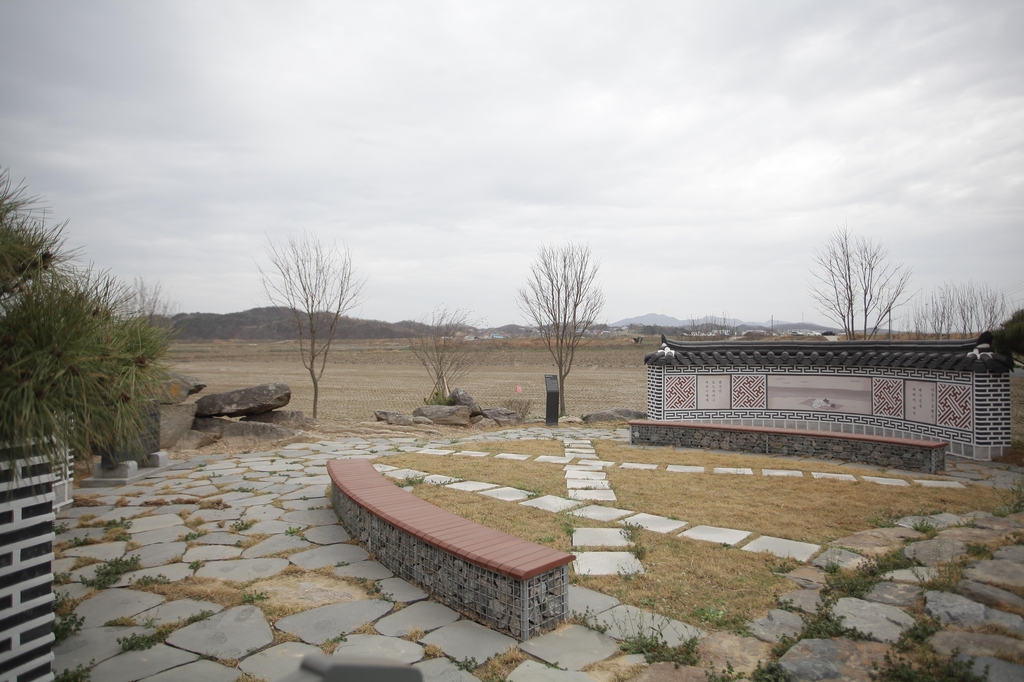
(306, 532)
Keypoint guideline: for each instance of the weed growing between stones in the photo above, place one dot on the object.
(66, 622)
(498, 668)
(634, 537)
(111, 571)
(588, 620)
(122, 622)
(859, 581)
(773, 672)
(147, 580)
(822, 624)
(193, 536)
(650, 642)
(931, 669)
(137, 642)
(467, 664)
(62, 578)
(253, 597)
(59, 528)
(243, 524)
(916, 636)
(947, 575)
(79, 674)
(1012, 498)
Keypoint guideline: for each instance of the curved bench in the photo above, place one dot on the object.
(512, 585)
(893, 453)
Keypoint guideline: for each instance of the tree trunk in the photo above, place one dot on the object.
(316, 392)
(561, 394)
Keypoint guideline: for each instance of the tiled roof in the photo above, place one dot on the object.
(954, 356)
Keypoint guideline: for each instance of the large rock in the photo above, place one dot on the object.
(997, 572)
(832, 659)
(252, 400)
(990, 596)
(880, 622)
(394, 418)
(175, 422)
(954, 609)
(255, 431)
(935, 551)
(946, 642)
(877, 541)
(290, 419)
(613, 414)
(178, 387)
(193, 440)
(461, 396)
(724, 648)
(776, 625)
(450, 415)
(502, 416)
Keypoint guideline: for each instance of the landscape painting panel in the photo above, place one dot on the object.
(820, 394)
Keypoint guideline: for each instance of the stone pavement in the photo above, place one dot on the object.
(263, 522)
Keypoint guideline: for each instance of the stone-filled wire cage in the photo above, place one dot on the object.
(26, 555)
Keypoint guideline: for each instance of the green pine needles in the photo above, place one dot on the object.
(77, 366)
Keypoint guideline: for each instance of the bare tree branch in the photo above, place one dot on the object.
(318, 284)
(440, 346)
(562, 299)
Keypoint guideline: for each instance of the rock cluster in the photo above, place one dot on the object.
(194, 425)
(464, 412)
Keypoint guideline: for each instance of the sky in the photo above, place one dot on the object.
(702, 151)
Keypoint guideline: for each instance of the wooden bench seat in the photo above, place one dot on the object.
(464, 564)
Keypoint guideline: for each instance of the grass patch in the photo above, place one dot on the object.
(111, 571)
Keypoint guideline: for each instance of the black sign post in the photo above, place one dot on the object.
(551, 384)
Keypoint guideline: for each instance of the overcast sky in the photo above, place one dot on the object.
(703, 150)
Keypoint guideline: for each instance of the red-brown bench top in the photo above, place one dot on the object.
(906, 442)
(480, 545)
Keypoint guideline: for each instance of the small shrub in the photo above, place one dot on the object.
(588, 619)
(918, 634)
(59, 528)
(467, 664)
(111, 571)
(243, 524)
(147, 580)
(194, 535)
(195, 566)
(65, 626)
(1012, 498)
(122, 523)
(437, 398)
(62, 578)
(79, 674)
(520, 405)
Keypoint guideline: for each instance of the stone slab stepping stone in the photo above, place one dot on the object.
(203, 490)
(206, 671)
(776, 625)
(433, 451)
(724, 648)
(658, 524)
(997, 572)
(577, 484)
(311, 517)
(278, 662)
(210, 553)
(842, 558)
(998, 670)
(423, 615)
(173, 611)
(593, 495)
(509, 455)
(384, 467)
(834, 477)
(271, 527)
(896, 594)
(443, 670)
(401, 591)
(606, 563)
(833, 659)
(299, 493)
(318, 625)
(253, 501)
(532, 671)
(219, 538)
(939, 484)
(938, 521)
(152, 537)
(172, 572)
(403, 474)
(464, 639)
(582, 475)
(471, 453)
(628, 621)
(72, 590)
(880, 622)
(135, 665)
(990, 595)
(634, 465)
(104, 551)
(554, 460)
(684, 469)
(935, 551)
(78, 533)
(885, 481)
(313, 503)
(233, 633)
(741, 471)
(571, 648)
(722, 536)
(954, 609)
(274, 545)
(506, 494)
(589, 602)
(113, 604)
(158, 554)
(438, 479)
(599, 537)
(876, 541)
(912, 576)
(599, 513)
(589, 465)
(377, 646)
(976, 644)
(551, 503)
(806, 600)
(977, 535)
(472, 486)
(96, 644)
(120, 513)
(782, 473)
(368, 570)
(801, 551)
(328, 555)
(242, 570)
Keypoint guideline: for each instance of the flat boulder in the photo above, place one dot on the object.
(290, 419)
(256, 431)
(877, 541)
(393, 418)
(177, 388)
(448, 415)
(461, 396)
(175, 422)
(936, 551)
(193, 440)
(502, 416)
(243, 401)
(613, 414)
(832, 659)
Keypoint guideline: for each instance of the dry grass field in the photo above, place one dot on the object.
(363, 376)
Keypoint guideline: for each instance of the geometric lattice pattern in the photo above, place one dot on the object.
(953, 406)
(681, 392)
(887, 397)
(749, 391)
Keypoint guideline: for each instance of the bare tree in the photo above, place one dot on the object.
(961, 309)
(440, 346)
(318, 284)
(562, 299)
(149, 300)
(854, 284)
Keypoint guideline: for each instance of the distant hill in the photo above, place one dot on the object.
(655, 323)
(276, 324)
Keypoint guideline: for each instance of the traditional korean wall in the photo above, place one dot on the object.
(969, 410)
